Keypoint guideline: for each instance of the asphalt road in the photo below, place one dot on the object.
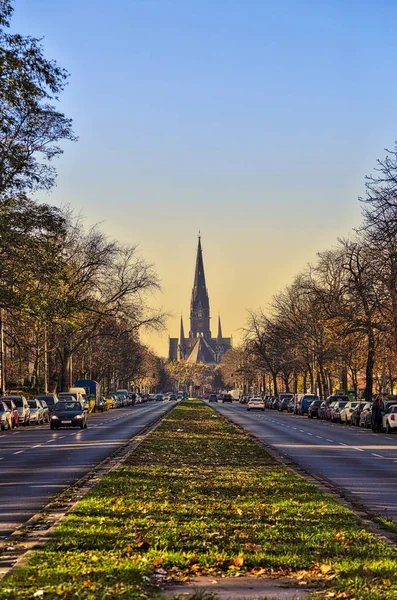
(355, 460)
(37, 463)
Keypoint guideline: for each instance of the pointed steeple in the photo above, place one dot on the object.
(200, 304)
(219, 336)
(199, 288)
(182, 333)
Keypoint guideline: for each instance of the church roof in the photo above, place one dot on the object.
(201, 352)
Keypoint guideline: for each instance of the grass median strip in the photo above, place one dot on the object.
(199, 497)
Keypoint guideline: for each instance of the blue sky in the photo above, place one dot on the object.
(254, 121)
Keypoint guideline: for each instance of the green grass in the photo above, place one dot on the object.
(200, 497)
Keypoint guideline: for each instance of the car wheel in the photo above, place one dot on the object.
(388, 428)
(81, 425)
(86, 425)
(248, 409)
(52, 426)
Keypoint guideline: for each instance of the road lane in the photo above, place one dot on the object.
(356, 460)
(37, 463)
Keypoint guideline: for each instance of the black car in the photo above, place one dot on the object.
(227, 398)
(69, 413)
(314, 408)
(213, 398)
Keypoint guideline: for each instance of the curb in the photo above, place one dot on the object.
(32, 535)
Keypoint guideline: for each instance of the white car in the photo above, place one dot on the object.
(36, 412)
(5, 417)
(346, 412)
(389, 420)
(256, 403)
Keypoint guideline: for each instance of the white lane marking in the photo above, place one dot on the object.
(319, 437)
(37, 446)
(49, 441)
(342, 444)
(19, 452)
(377, 455)
(328, 440)
(359, 449)
(3, 459)
(309, 433)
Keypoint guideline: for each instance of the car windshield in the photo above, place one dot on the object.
(32, 403)
(18, 402)
(316, 402)
(341, 404)
(2, 407)
(66, 406)
(354, 403)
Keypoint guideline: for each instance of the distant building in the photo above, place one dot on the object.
(199, 346)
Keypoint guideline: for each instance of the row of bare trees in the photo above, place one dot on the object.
(72, 302)
(335, 326)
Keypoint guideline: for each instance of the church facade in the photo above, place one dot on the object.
(199, 346)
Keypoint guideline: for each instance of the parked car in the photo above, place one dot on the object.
(256, 403)
(356, 414)
(101, 404)
(335, 410)
(173, 397)
(227, 398)
(303, 403)
(5, 417)
(46, 412)
(366, 415)
(274, 402)
(213, 398)
(244, 399)
(69, 413)
(282, 402)
(23, 408)
(314, 409)
(49, 399)
(330, 406)
(159, 397)
(291, 408)
(389, 419)
(14, 412)
(322, 411)
(36, 412)
(347, 411)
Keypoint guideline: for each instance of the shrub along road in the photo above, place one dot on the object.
(199, 497)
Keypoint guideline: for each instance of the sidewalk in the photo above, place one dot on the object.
(200, 499)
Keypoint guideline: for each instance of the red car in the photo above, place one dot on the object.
(14, 412)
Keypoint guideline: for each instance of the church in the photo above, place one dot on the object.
(200, 346)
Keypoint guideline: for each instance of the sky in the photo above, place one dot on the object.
(253, 121)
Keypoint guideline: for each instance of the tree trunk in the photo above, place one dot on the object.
(65, 358)
(274, 376)
(320, 388)
(369, 369)
(305, 382)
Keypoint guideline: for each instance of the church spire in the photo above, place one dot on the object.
(182, 333)
(219, 336)
(200, 304)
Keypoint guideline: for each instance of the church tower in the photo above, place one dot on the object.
(200, 304)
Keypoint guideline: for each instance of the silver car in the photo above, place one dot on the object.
(36, 412)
